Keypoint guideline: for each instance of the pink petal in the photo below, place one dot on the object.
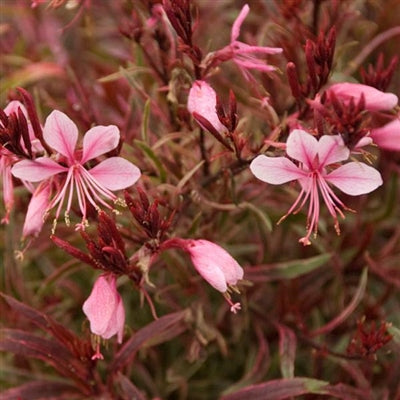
(37, 170)
(120, 323)
(99, 140)
(331, 149)
(34, 219)
(203, 100)
(302, 147)
(388, 136)
(12, 107)
(235, 32)
(275, 170)
(375, 100)
(61, 133)
(100, 306)
(355, 178)
(115, 173)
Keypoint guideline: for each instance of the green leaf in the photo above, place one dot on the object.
(286, 270)
(148, 151)
(145, 121)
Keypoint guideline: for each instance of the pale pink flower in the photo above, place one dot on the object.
(215, 265)
(243, 55)
(68, 173)
(202, 100)
(375, 100)
(388, 136)
(354, 178)
(105, 310)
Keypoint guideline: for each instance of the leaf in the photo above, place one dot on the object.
(128, 390)
(32, 73)
(145, 121)
(286, 270)
(38, 390)
(151, 332)
(48, 324)
(152, 156)
(188, 175)
(264, 218)
(281, 389)
(31, 346)
(287, 350)
(348, 310)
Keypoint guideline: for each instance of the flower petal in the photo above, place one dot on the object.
(375, 100)
(355, 178)
(388, 136)
(99, 140)
(101, 305)
(202, 100)
(37, 170)
(235, 32)
(275, 170)
(61, 133)
(115, 173)
(36, 210)
(302, 146)
(332, 149)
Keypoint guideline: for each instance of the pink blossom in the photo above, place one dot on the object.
(215, 265)
(67, 171)
(105, 310)
(354, 178)
(375, 100)
(387, 136)
(242, 54)
(202, 100)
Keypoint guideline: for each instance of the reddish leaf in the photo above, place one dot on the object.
(31, 346)
(40, 390)
(153, 331)
(348, 310)
(128, 389)
(63, 335)
(281, 389)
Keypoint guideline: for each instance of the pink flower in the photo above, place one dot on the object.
(215, 265)
(202, 100)
(105, 310)
(387, 136)
(68, 173)
(375, 100)
(354, 178)
(242, 54)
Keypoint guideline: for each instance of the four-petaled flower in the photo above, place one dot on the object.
(67, 171)
(105, 310)
(354, 178)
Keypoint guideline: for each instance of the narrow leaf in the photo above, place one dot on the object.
(348, 310)
(152, 156)
(149, 332)
(287, 351)
(286, 270)
(38, 390)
